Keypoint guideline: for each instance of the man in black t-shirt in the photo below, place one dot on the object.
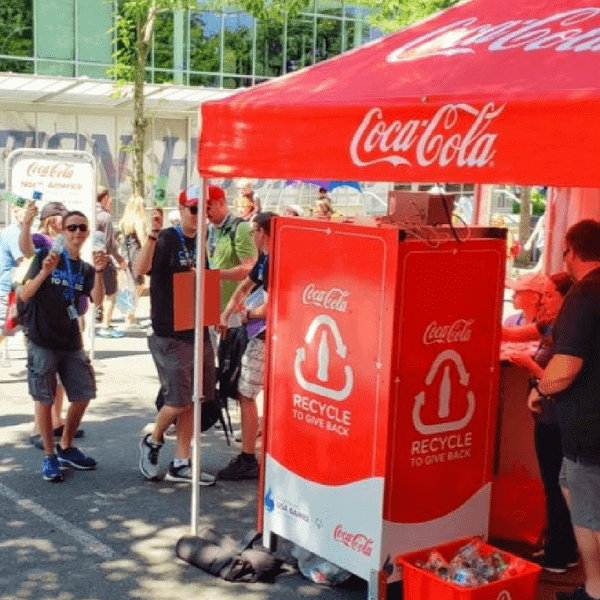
(249, 300)
(173, 250)
(56, 282)
(572, 379)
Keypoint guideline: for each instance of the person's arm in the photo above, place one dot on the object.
(239, 272)
(561, 372)
(111, 245)
(25, 242)
(235, 303)
(524, 360)
(143, 264)
(260, 312)
(32, 285)
(521, 333)
(97, 294)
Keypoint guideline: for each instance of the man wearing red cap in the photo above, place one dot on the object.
(229, 244)
(166, 252)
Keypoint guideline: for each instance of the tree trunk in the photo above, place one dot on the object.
(140, 122)
(524, 225)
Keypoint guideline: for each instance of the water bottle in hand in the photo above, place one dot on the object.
(99, 241)
(59, 244)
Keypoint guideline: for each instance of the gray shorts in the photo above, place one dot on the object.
(253, 366)
(174, 360)
(72, 366)
(583, 482)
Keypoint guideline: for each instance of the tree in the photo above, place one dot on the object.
(135, 23)
(16, 34)
(391, 15)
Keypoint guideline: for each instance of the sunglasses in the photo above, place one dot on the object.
(565, 252)
(81, 226)
(193, 209)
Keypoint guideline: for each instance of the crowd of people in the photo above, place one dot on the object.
(55, 286)
(563, 313)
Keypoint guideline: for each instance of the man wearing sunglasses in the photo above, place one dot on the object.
(166, 252)
(56, 281)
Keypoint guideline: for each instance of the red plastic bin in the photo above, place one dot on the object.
(420, 584)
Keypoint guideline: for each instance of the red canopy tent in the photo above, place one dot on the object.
(486, 91)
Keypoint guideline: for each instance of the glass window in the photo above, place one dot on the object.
(357, 33)
(329, 38)
(269, 49)
(238, 41)
(330, 8)
(300, 35)
(205, 42)
(205, 80)
(162, 49)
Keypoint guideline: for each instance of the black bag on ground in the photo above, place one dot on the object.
(229, 355)
(222, 556)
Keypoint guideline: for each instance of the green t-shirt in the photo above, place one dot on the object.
(225, 253)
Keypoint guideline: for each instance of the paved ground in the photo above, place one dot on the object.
(108, 534)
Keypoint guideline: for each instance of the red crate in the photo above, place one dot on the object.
(420, 584)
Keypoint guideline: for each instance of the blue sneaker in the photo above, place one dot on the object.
(51, 469)
(75, 458)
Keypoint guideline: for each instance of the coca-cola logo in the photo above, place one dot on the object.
(355, 541)
(334, 299)
(54, 170)
(459, 331)
(460, 37)
(443, 139)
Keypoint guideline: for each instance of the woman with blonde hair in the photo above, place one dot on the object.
(135, 233)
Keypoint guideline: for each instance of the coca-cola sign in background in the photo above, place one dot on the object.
(469, 36)
(59, 179)
(458, 134)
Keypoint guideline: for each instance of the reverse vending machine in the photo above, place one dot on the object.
(381, 387)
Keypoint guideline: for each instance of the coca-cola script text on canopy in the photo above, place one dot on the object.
(556, 31)
(457, 133)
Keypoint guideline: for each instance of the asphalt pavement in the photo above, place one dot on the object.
(108, 534)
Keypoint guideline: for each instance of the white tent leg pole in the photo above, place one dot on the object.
(198, 359)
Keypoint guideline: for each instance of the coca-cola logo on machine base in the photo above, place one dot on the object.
(358, 542)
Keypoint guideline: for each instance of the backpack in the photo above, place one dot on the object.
(231, 349)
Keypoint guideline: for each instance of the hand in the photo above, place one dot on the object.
(157, 220)
(31, 210)
(123, 265)
(522, 359)
(50, 263)
(100, 260)
(534, 400)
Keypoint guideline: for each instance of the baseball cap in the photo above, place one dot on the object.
(531, 281)
(189, 196)
(53, 209)
(216, 194)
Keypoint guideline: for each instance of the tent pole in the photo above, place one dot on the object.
(198, 358)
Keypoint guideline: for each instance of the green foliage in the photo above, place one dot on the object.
(391, 15)
(16, 34)
(538, 202)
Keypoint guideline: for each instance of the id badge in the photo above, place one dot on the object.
(72, 312)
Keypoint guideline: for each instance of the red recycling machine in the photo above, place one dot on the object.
(382, 385)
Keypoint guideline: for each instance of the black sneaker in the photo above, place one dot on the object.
(75, 458)
(184, 473)
(554, 564)
(240, 468)
(577, 594)
(149, 458)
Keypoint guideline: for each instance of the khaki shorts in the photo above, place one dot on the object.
(253, 367)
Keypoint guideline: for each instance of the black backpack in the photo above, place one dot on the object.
(231, 349)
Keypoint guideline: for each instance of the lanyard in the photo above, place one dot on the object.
(188, 258)
(71, 282)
